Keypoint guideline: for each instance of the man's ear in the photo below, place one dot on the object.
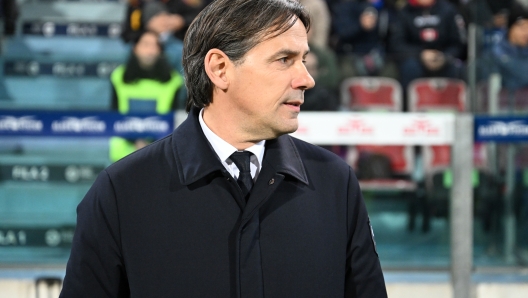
(216, 63)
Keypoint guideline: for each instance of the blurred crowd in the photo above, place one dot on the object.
(400, 39)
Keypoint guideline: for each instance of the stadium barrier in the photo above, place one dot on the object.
(322, 128)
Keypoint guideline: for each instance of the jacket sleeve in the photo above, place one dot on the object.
(346, 19)
(457, 35)
(364, 278)
(95, 267)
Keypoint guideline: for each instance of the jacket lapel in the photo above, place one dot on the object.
(281, 159)
(195, 158)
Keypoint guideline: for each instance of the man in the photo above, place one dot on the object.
(165, 17)
(168, 18)
(428, 40)
(145, 84)
(229, 205)
(361, 28)
(509, 57)
(318, 98)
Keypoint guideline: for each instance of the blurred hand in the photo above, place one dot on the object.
(175, 22)
(433, 59)
(368, 20)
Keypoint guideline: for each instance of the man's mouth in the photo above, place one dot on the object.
(294, 103)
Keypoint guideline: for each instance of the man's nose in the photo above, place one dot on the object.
(302, 80)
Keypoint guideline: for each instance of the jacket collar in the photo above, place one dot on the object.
(196, 159)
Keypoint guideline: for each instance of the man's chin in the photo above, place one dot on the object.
(287, 128)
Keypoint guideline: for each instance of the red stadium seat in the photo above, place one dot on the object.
(436, 158)
(371, 93)
(437, 94)
(402, 164)
(399, 156)
(519, 99)
(379, 94)
(439, 157)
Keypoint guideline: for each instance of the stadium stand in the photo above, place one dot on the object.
(508, 100)
(371, 94)
(60, 58)
(437, 94)
(66, 50)
(450, 95)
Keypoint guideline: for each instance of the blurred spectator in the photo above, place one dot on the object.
(327, 71)
(509, 57)
(319, 98)
(146, 83)
(169, 18)
(321, 21)
(8, 15)
(161, 16)
(428, 40)
(491, 17)
(489, 14)
(361, 28)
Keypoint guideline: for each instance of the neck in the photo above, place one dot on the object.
(225, 123)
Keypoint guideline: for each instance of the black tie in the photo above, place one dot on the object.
(241, 160)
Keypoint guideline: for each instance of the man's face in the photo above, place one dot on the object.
(267, 85)
(147, 50)
(519, 33)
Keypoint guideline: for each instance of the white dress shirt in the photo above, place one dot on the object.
(224, 150)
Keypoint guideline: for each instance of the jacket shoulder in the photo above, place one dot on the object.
(310, 152)
(150, 157)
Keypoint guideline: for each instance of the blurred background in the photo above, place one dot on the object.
(369, 57)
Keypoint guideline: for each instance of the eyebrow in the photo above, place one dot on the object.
(288, 53)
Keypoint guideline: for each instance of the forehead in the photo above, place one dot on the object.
(295, 38)
(522, 23)
(147, 38)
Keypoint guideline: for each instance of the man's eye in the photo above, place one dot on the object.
(283, 60)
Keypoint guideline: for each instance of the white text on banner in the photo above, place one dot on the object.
(351, 128)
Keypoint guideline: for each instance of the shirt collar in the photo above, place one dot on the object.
(194, 156)
(223, 149)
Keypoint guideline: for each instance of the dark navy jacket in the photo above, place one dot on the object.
(439, 27)
(169, 221)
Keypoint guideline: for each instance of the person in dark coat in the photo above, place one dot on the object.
(509, 57)
(318, 98)
(230, 205)
(160, 16)
(428, 40)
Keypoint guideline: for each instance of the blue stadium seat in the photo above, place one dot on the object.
(61, 90)
(61, 48)
(37, 203)
(59, 93)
